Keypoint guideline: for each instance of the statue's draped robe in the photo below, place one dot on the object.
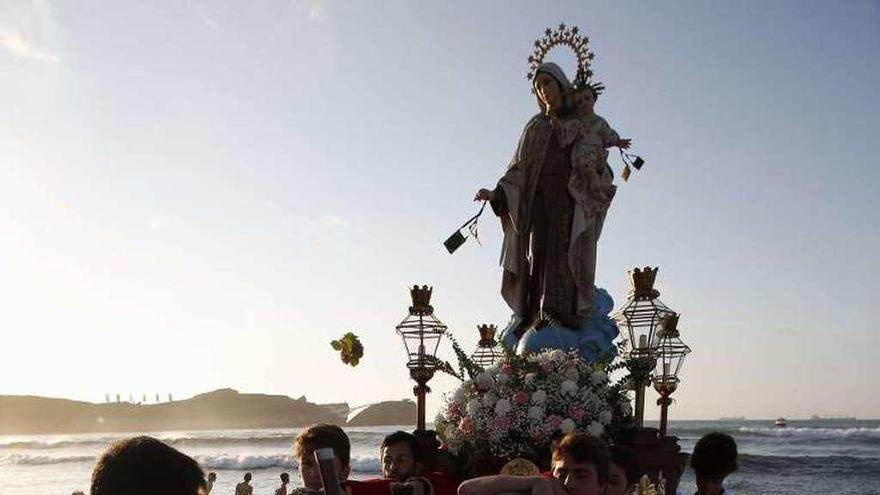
(549, 249)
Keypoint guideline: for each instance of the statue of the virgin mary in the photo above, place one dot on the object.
(549, 249)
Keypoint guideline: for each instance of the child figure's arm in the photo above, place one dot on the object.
(611, 138)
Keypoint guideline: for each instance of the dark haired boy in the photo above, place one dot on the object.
(146, 466)
(579, 467)
(401, 464)
(714, 458)
(624, 471)
(321, 436)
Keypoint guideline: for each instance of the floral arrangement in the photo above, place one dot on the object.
(350, 349)
(518, 406)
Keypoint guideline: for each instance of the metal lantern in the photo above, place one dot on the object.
(641, 316)
(421, 332)
(643, 311)
(487, 353)
(670, 354)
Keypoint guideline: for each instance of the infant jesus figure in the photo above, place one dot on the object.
(591, 179)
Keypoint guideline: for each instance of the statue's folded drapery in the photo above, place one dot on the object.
(549, 248)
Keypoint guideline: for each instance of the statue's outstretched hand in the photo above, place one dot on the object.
(624, 143)
(484, 195)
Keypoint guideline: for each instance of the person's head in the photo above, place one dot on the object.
(580, 462)
(398, 455)
(552, 88)
(585, 101)
(212, 476)
(145, 466)
(713, 459)
(623, 471)
(285, 478)
(316, 437)
(247, 477)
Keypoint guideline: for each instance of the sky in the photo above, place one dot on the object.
(196, 195)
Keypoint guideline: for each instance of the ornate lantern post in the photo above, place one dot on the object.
(421, 332)
(671, 352)
(641, 315)
(486, 353)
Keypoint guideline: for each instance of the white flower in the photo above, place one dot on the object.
(598, 378)
(536, 412)
(473, 406)
(567, 425)
(572, 374)
(529, 378)
(569, 387)
(489, 399)
(503, 378)
(605, 417)
(595, 429)
(502, 407)
(539, 397)
(557, 355)
(484, 381)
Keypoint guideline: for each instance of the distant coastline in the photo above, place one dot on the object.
(220, 409)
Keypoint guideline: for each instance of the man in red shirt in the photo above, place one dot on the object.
(580, 467)
(322, 436)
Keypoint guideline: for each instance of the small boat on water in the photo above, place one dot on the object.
(780, 423)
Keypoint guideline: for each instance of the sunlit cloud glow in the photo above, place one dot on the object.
(18, 47)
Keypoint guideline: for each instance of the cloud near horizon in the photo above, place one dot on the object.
(18, 47)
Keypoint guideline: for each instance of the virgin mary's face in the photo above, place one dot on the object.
(548, 90)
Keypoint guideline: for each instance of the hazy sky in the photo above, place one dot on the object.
(198, 194)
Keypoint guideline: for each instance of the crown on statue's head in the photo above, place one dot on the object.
(487, 335)
(421, 299)
(642, 282)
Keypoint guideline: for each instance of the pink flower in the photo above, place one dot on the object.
(547, 366)
(537, 435)
(452, 409)
(576, 412)
(506, 368)
(467, 425)
(521, 398)
(553, 421)
(501, 423)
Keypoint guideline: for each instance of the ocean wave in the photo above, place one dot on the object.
(247, 461)
(365, 465)
(813, 433)
(41, 460)
(810, 465)
(195, 440)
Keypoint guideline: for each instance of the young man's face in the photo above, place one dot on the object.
(617, 482)
(310, 471)
(578, 478)
(398, 461)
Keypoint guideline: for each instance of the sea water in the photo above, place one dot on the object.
(840, 457)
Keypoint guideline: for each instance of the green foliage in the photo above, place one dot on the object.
(350, 348)
(467, 368)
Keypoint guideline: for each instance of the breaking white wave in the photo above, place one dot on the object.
(40, 460)
(814, 433)
(239, 462)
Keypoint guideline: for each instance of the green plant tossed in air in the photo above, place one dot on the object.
(350, 349)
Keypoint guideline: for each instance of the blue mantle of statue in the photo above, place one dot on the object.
(594, 339)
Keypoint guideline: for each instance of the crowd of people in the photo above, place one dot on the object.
(581, 465)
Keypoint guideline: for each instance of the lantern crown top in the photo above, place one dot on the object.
(642, 283)
(421, 300)
(487, 335)
(670, 326)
